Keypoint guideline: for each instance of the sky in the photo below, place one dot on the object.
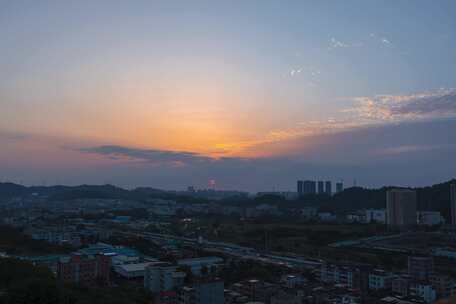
(251, 94)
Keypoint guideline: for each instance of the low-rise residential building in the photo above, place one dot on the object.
(423, 290)
(355, 217)
(309, 212)
(380, 280)
(160, 277)
(132, 271)
(197, 265)
(84, 269)
(56, 236)
(122, 259)
(375, 216)
(420, 267)
(283, 297)
(429, 218)
(207, 292)
(443, 284)
(108, 249)
(350, 276)
(401, 284)
(326, 217)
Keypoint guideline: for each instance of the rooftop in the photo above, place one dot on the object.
(133, 267)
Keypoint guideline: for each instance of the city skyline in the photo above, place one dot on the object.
(251, 96)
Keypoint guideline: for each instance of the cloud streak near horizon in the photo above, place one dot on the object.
(369, 154)
(366, 112)
(149, 155)
(399, 108)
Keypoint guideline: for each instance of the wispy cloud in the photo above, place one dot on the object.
(295, 72)
(338, 44)
(367, 112)
(385, 41)
(335, 43)
(300, 130)
(13, 136)
(381, 39)
(309, 74)
(150, 155)
(307, 70)
(397, 108)
(405, 149)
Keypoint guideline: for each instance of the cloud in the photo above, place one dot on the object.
(387, 154)
(385, 41)
(13, 136)
(367, 112)
(309, 71)
(397, 108)
(382, 40)
(331, 149)
(149, 155)
(407, 149)
(310, 75)
(295, 72)
(338, 44)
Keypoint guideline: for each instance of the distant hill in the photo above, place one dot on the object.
(91, 191)
(8, 190)
(64, 193)
(436, 197)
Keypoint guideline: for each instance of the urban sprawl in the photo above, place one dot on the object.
(313, 245)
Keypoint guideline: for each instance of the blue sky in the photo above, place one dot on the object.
(174, 93)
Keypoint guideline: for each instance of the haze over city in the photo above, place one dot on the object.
(250, 95)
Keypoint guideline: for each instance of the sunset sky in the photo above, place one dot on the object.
(251, 94)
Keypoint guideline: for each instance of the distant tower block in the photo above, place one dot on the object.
(321, 187)
(309, 187)
(300, 187)
(328, 188)
(339, 187)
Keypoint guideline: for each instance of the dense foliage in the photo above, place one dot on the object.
(13, 241)
(23, 283)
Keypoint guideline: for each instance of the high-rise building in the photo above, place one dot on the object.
(309, 187)
(400, 208)
(328, 188)
(321, 187)
(339, 187)
(453, 203)
(300, 187)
